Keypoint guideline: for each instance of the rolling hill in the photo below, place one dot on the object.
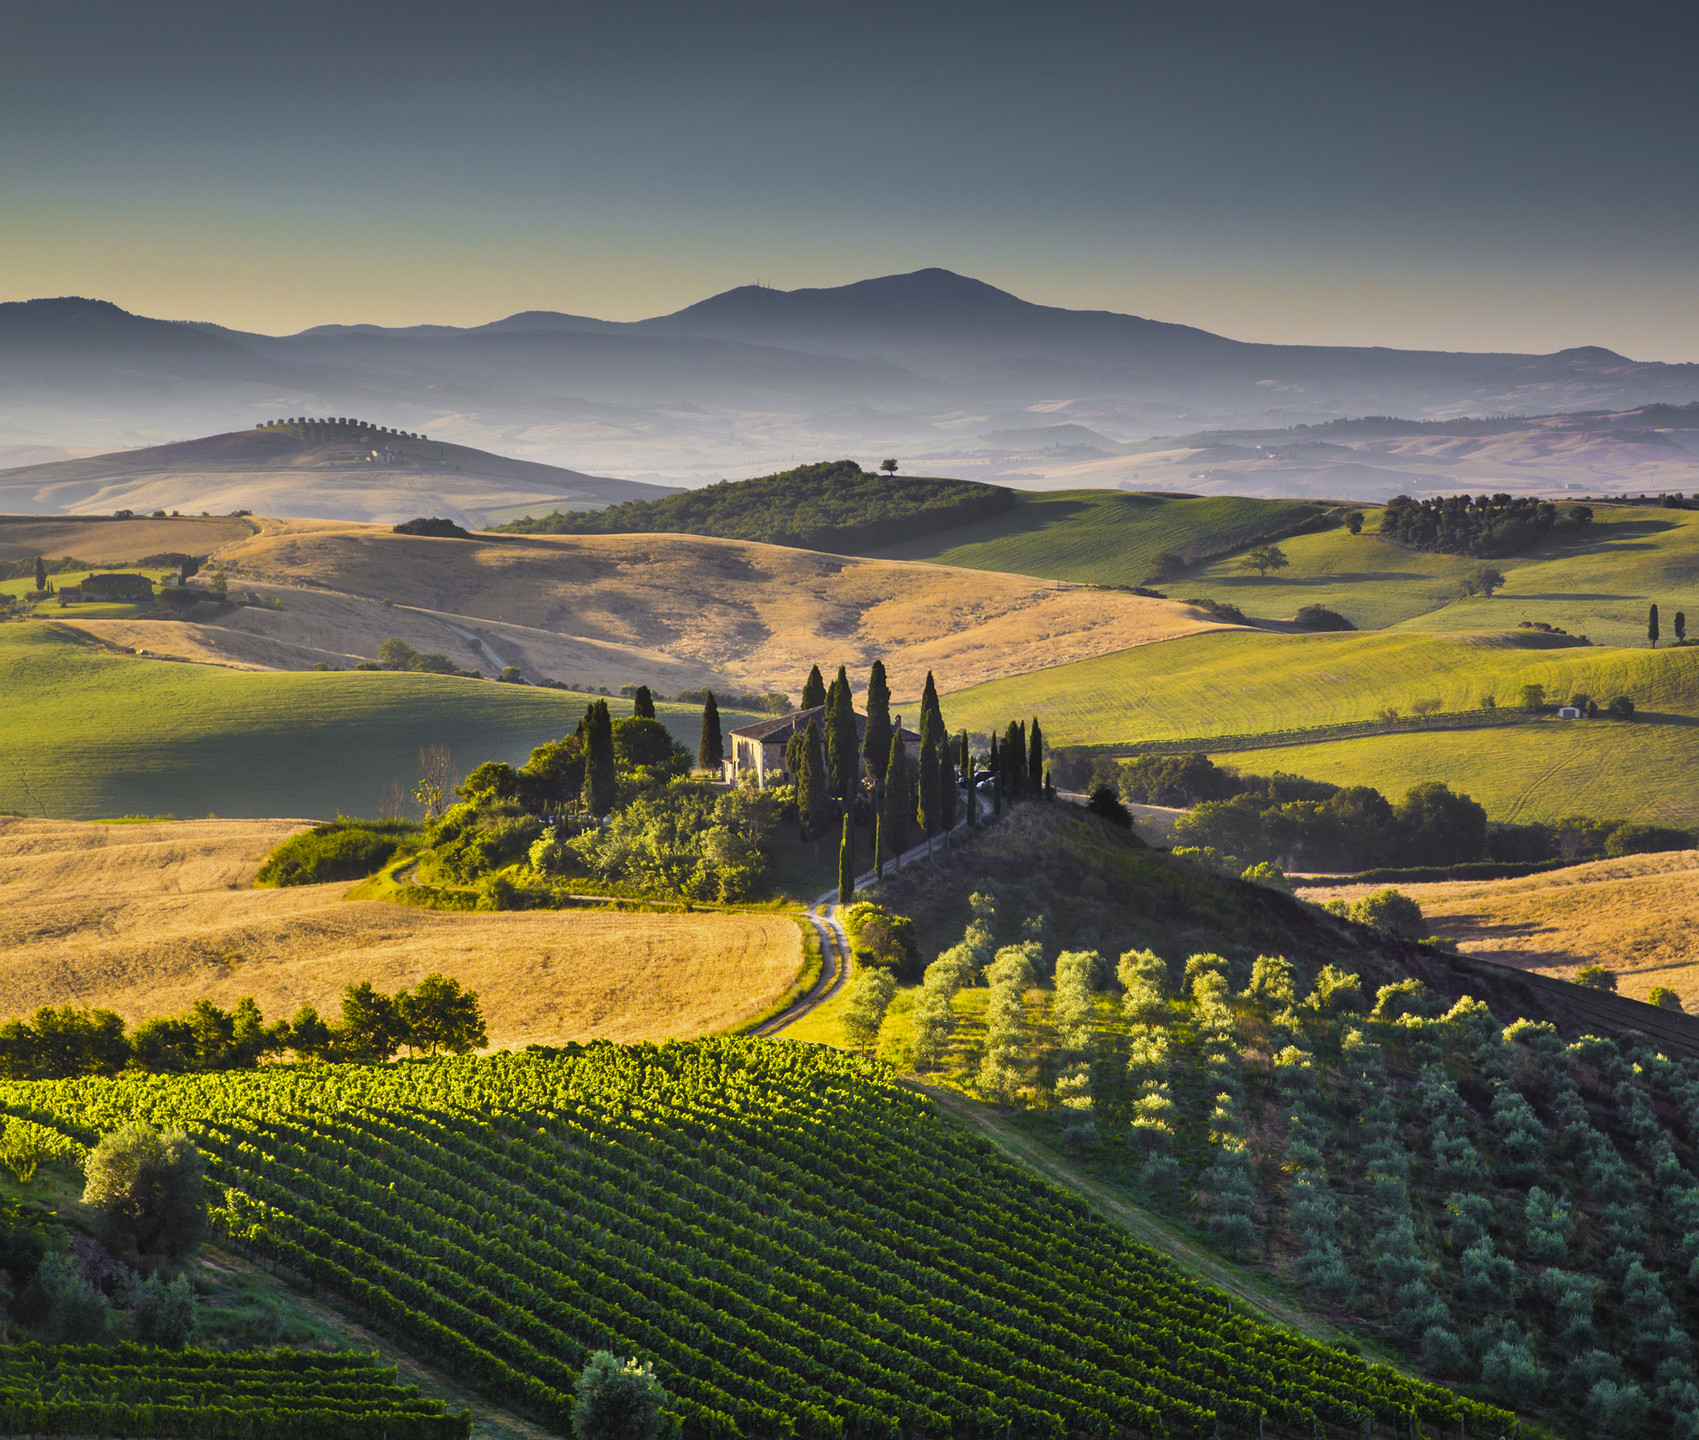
(337, 471)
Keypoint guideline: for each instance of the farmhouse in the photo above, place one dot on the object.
(759, 749)
(108, 587)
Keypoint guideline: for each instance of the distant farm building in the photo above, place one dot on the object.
(108, 587)
(759, 749)
(1568, 712)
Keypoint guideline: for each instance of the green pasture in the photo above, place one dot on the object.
(1531, 772)
(87, 733)
(1595, 581)
(1100, 537)
(1236, 682)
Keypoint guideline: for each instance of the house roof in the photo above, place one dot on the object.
(782, 727)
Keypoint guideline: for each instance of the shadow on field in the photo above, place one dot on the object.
(1499, 941)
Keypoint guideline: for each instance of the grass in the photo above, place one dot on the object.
(1637, 916)
(90, 733)
(1101, 537)
(1534, 772)
(145, 919)
(1239, 682)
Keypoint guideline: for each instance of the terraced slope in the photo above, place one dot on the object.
(801, 1246)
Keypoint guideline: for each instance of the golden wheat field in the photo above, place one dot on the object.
(1638, 916)
(147, 918)
(670, 611)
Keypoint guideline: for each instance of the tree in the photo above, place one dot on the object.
(877, 744)
(147, 1189)
(899, 805)
(946, 783)
(1391, 913)
(1440, 826)
(164, 1312)
(599, 759)
(439, 1016)
(1620, 708)
(219, 585)
(1107, 804)
(640, 740)
(995, 764)
(1680, 626)
(1652, 626)
(843, 756)
(40, 573)
(711, 753)
(1482, 582)
(929, 705)
(1533, 697)
(888, 466)
(1014, 759)
(643, 703)
(929, 801)
(813, 689)
(372, 1028)
(1263, 558)
(396, 654)
(436, 775)
(878, 847)
(1596, 977)
(1354, 521)
(846, 863)
(865, 1002)
(617, 1400)
(1035, 757)
(1664, 998)
(811, 796)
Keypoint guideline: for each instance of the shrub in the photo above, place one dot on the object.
(435, 527)
(1621, 708)
(1271, 875)
(65, 1304)
(1106, 804)
(865, 1003)
(146, 1189)
(1392, 914)
(326, 853)
(1596, 977)
(1319, 617)
(617, 1400)
(1637, 839)
(164, 1312)
(883, 940)
(1664, 998)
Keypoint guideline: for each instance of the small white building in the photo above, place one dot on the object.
(759, 749)
(1568, 712)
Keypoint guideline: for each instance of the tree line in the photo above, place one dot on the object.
(1487, 526)
(436, 1017)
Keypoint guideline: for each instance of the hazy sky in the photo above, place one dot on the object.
(1482, 176)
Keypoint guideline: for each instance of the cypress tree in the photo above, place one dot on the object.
(712, 751)
(1035, 757)
(878, 847)
(846, 864)
(813, 689)
(1014, 758)
(1024, 783)
(810, 786)
(929, 804)
(877, 746)
(1680, 626)
(946, 784)
(40, 573)
(964, 760)
(843, 759)
(929, 706)
(972, 790)
(996, 778)
(1652, 626)
(599, 759)
(898, 804)
(643, 703)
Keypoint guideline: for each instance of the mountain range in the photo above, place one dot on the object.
(755, 378)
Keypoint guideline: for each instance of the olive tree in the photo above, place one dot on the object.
(147, 1189)
(617, 1400)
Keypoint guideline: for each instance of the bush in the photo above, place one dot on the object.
(617, 1400)
(1319, 617)
(164, 1312)
(1392, 914)
(1664, 998)
(882, 940)
(326, 853)
(65, 1304)
(1106, 805)
(1596, 977)
(435, 527)
(1621, 708)
(146, 1189)
(1637, 839)
(1264, 873)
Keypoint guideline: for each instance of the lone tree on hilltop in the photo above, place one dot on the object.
(711, 753)
(147, 1189)
(1263, 558)
(813, 690)
(1652, 626)
(888, 466)
(617, 1400)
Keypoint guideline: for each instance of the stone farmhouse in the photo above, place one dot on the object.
(108, 587)
(759, 749)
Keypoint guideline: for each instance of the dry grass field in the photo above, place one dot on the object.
(1636, 916)
(112, 542)
(147, 918)
(669, 611)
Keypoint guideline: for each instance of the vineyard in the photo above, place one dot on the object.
(285, 1395)
(799, 1245)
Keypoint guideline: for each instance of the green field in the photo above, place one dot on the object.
(1101, 537)
(88, 733)
(1234, 682)
(800, 1245)
(1534, 772)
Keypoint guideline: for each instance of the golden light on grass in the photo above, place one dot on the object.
(147, 918)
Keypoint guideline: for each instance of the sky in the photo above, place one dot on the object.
(1492, 176)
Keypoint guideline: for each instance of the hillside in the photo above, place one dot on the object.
(1102, 537)
(674, 612)
(333, 470)
(834, 506)
(146, 919)
(799, 1244)
(92, 733)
